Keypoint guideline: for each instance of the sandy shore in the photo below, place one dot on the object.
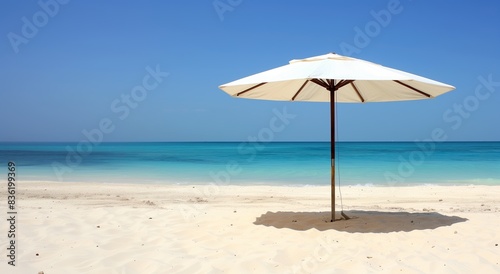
(111, 228)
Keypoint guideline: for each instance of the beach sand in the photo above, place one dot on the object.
(125, 228)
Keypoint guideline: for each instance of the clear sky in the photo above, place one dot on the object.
(150, 70)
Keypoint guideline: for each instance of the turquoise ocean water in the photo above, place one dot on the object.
(295, 163)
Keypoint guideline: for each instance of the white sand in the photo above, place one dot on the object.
(97, 228)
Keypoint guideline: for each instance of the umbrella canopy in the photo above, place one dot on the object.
(335, 78)
(356, 80)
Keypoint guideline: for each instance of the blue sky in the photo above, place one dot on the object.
(68, 67)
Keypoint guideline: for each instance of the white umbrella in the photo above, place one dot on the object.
(335, 78)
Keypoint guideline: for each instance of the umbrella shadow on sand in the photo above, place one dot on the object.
(361, 221)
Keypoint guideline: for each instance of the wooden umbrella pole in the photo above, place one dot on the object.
(332, 146)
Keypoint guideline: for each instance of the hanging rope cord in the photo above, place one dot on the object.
(337, 157)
